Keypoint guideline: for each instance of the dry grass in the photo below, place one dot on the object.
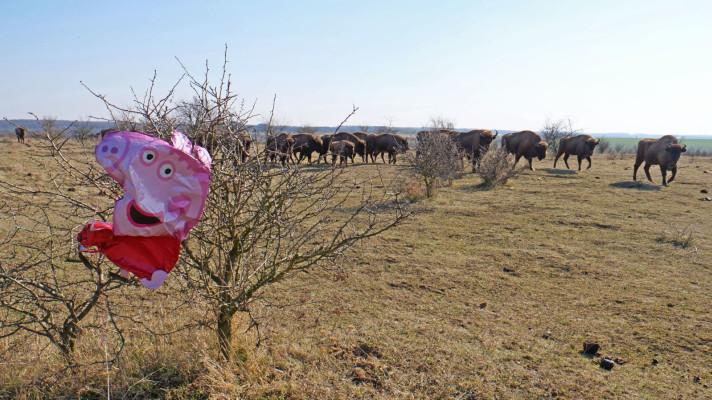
(481, 294)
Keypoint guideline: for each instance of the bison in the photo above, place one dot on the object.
(525, 144)
(474, 144)
(244, 143)
(663, 152)
(368, 139)
(582, 146)
(306, 144)
(279, 146)
(387, 143)
(20, 132)
(324, 150)
(359, 145)
(343, 149)
(103, 132)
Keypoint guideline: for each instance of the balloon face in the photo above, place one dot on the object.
(165, 185)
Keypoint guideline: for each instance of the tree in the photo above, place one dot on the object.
(261, 225)
(554, 131)
(82, 132)
(43, 292)
(437, 161)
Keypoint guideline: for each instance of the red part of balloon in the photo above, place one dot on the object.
(140, 255)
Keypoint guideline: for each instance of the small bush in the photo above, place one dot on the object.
(681, 238)
(437, 161)
(495, 168)
(603, 146)
(413, 191)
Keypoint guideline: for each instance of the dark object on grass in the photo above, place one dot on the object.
(590, 348)
(607, 363)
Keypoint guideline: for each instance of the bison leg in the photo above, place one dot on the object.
(646, 168)
(589, 162)
(579, 158)
(635, 169)
(663, 172)
(556, 159)
(566, 160)
(674, 173)
(333, 159)
(531, 167)
(516, 160)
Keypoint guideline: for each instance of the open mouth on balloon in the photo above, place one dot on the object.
(141, 218)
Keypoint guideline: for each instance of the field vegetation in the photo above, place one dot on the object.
(478, 294)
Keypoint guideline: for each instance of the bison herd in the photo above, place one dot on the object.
(344, 146)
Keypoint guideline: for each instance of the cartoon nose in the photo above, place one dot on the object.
(110, 149)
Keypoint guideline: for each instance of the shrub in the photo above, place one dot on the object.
(437, 162)
(681, 238)
(603, 146)
(495, 168)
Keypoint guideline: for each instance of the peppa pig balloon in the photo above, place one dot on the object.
(165, 188)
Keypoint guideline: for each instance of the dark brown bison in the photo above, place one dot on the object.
(305, 144)
(368, 139)
(279, 147)
(20, 132)
(582, 146)
(474, 144)
(325, 142)
(387, 143)
(525, 144)
(359, 145)
(103, 132)
(663, 152)
(343, 149)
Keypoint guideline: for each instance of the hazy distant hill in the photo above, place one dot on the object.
(32, 125)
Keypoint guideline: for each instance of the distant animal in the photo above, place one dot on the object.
(525, 144)
(103, 132)
(359, 144)
(279, 147)
(582, 146)
(20, 132)
(368, 139)
(243, 144)
(343, 149)
(664, 152)
(388, 143)
(474, 144)
(305, 144)
(324, 150)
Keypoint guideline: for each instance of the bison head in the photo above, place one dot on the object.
(675, 151)
(486, 138)
(541, 150)
(591, 145)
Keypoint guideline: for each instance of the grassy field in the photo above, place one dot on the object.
(478, 295)
(692, 144)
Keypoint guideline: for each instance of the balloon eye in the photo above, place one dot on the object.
(166, 170)
(149, 156)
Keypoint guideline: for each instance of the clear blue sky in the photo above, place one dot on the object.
(610, 66)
